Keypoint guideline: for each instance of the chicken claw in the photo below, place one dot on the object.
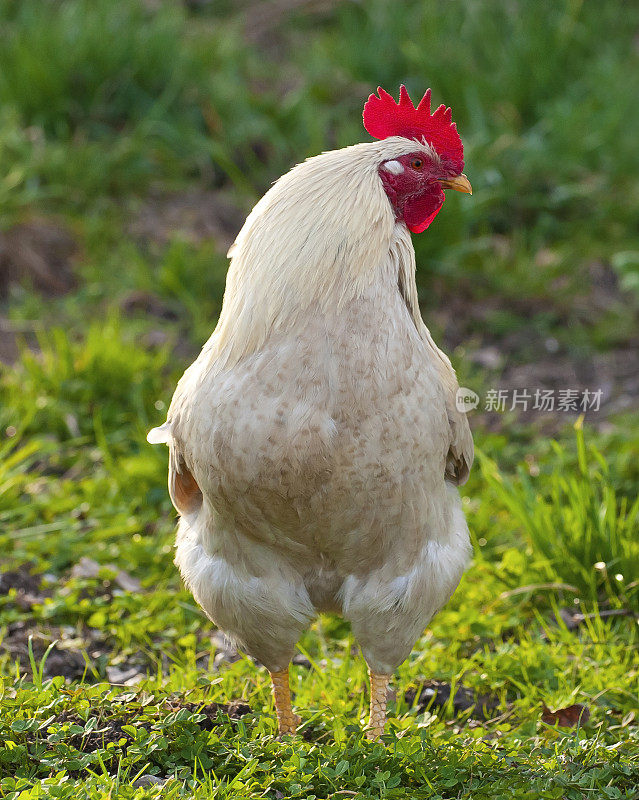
(286, 718)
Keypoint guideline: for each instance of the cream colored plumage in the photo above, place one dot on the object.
(315, 443)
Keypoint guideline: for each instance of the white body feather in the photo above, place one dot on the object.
(315, 441)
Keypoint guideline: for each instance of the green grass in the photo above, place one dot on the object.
(106, 107)
(577, 522)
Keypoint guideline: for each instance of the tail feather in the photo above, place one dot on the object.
(183, 488)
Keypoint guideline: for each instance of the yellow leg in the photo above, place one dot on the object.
(379, 691)
(287, 720)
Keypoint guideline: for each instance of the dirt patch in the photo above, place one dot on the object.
(38, 252)
(194, 215)
(65, 657)
(613, 375)
(528, 358)
(104, 728)
(89, 568)
(236, 709)
(80, 652)
(573, 620)
(25, 584)
(147, 304)
(265, 23)
(75, 653)
(9, 349)
(435, 694)
(108, 729)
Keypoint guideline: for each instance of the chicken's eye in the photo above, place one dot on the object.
(417, 163)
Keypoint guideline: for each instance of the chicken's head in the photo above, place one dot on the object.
(434, 159)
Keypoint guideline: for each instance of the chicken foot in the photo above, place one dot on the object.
(286, 718)
(379, 693)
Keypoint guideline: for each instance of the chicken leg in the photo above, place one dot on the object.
(286, 718)
(379, 692)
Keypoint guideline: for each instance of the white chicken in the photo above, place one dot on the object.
(315, 444)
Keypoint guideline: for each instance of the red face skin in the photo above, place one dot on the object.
(416, 194)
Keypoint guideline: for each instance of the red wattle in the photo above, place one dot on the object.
(421, 227)
(420, 210)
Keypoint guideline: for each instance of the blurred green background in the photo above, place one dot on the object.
(134, 138)
(126, 118)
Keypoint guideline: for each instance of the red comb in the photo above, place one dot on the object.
(384, 117)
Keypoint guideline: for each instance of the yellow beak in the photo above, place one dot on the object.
(459, 184)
